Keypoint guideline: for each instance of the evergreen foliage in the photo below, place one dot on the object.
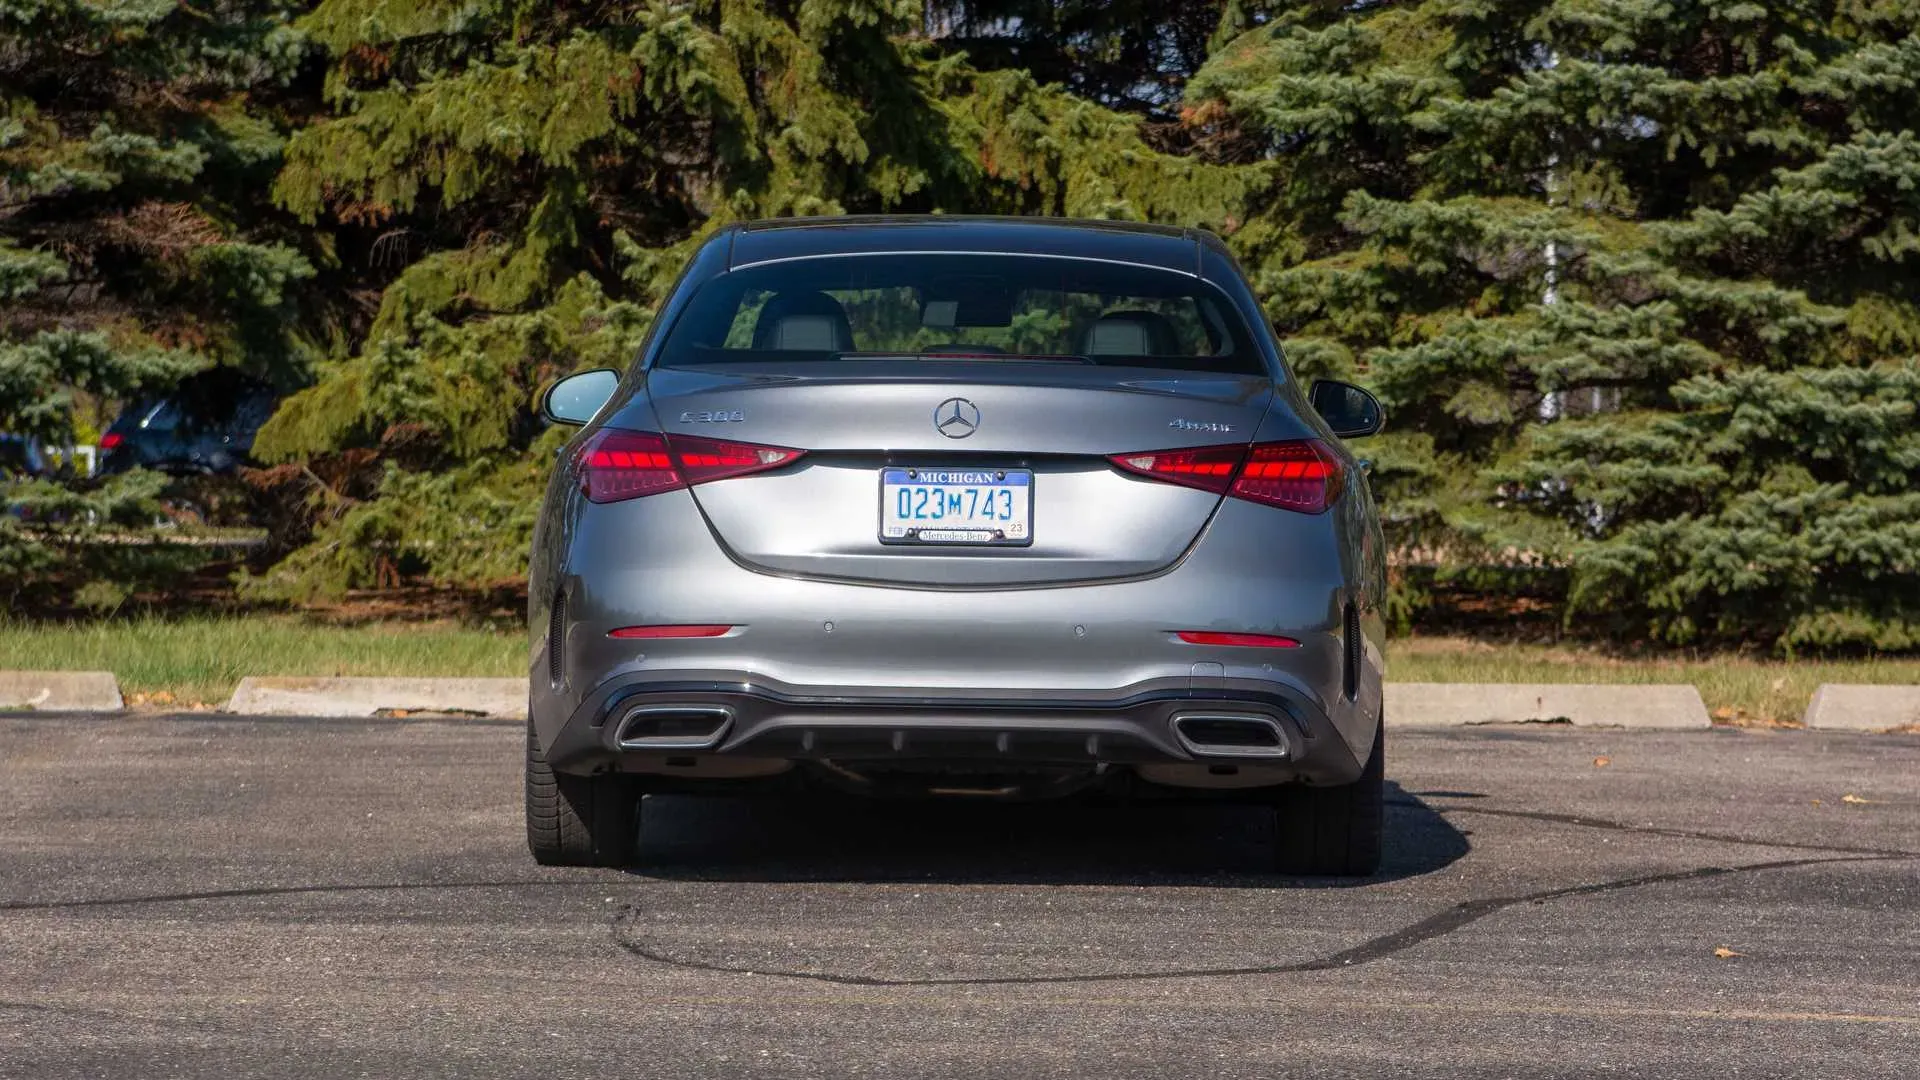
(1637, 280)
(133, 159)
(544, 172)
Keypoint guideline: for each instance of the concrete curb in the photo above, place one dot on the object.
(1835, 706)
(1583, 705)
(270, 696)
(60, 691)
(1862, 707)
(1408, 704)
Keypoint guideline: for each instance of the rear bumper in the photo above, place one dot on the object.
(756, 729)
(819, 670)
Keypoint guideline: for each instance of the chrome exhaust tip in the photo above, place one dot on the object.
(673, 727)
(1237, 735)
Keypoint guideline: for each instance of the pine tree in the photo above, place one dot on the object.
(538, 176)
(1637, 280)
(1132, 56)
(135, 246)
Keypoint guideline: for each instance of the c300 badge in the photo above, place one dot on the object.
(720, 416)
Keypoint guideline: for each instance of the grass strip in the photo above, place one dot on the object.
(183, 663)
(188, 662)
(1737, 688)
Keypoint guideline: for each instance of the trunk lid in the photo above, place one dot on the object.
(821, 517)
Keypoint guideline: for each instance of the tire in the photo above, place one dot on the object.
(1333, 831)
(579, 820)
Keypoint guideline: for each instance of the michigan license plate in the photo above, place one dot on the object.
(956, 506)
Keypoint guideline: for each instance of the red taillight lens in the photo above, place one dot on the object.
(111, 439)
(616, 464)
(1209, 468)
(1254, 641)
(680, 631)
(1303, 475)
(702, 460)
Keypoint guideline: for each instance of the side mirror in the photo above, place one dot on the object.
(1351, 412)
(574, 399)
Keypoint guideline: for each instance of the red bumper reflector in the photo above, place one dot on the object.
(704, 630)
(1256, 641)
(111, 439)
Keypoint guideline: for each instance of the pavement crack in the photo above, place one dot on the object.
(1658, 830)
(1454, 918)
(290, 890)
(1434, 926)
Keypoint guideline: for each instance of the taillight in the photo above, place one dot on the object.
(702, 460)
(111, 439)
(616, 464)
(1209, 468)
(1303, 475)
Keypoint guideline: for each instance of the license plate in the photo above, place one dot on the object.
(956, 506)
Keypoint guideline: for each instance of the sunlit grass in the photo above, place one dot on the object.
(196, 661)
(192, 661)
(1737, 688)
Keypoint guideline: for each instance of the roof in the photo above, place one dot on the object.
(1166, 246)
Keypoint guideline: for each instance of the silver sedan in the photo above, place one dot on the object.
(996, 507)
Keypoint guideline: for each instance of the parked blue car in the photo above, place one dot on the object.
(205, 427)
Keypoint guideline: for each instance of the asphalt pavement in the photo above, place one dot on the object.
(203, 896)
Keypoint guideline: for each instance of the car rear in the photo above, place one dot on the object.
(896, 508)
(206, 426)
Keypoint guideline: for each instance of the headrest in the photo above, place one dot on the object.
(808, 321)
(1132, 333)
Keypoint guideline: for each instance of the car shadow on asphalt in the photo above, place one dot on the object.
(960, 841)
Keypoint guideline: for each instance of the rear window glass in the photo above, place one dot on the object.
(218, 400)
(163, 415)
(980, 307)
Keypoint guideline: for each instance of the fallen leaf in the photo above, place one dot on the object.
(1854, 799)
(1602, 762)
(1724, 712)
(1723, 952)
(1817, 802)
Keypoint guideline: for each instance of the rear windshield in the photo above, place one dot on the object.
(956, 306)
(218, 400)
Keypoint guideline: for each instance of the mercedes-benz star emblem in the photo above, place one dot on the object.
(956, 418)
